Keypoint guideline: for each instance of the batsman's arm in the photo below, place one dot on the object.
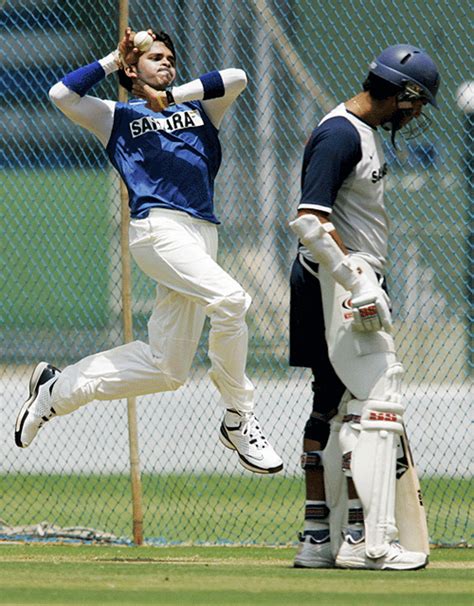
(324, 218)
(370, 304)
(69, 95)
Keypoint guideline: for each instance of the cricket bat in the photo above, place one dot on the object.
(409, 510)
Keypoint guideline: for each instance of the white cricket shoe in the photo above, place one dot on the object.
(352, 555)
(37, 410)
(241, 431)
(314, 550)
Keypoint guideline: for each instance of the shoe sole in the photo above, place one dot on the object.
(362, 566)
(301, 564)
(224, 438)
(23, 414)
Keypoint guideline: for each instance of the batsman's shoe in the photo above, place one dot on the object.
(37, 410)
(314, 550)
(241, 431)
(352, 555)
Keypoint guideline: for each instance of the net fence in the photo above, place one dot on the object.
(61, 264)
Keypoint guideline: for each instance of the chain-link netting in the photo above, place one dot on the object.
(61, 267)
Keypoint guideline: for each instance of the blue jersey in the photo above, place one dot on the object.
(168, 159)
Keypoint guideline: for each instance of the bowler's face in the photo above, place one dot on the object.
(157, 67)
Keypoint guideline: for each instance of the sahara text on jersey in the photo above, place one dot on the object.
(176, 121)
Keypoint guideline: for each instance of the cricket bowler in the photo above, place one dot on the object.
(165, 145)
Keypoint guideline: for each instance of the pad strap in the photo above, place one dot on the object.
(312, 459)
(378, 415)
(316, 511)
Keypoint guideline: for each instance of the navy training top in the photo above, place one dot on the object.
(168, 159)
(330, 155)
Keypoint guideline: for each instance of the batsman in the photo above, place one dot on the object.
(340, 321)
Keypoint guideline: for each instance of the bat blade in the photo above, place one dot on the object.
(410, 512)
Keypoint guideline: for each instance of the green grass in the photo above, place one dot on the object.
(177, 508)
(225, 576)
(202, 508)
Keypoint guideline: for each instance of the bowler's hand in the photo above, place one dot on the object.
(157, 100)
(129, 53)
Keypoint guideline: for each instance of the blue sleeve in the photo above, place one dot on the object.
(213, 85)
(330, 155)
(84, 78)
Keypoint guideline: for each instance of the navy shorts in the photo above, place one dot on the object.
(307, 340)
(308, 346)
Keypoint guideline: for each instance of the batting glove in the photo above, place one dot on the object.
(370, 307)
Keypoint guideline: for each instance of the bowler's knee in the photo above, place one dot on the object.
(168, 378)
(234, 305)
(176, 382)
(170, 374)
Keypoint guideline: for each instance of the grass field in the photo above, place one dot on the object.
(203, 508)
(222, 576)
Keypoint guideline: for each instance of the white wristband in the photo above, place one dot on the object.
(109, 63)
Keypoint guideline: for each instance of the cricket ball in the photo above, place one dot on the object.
(143, 41)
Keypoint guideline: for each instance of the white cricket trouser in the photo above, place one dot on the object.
(179, 253)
